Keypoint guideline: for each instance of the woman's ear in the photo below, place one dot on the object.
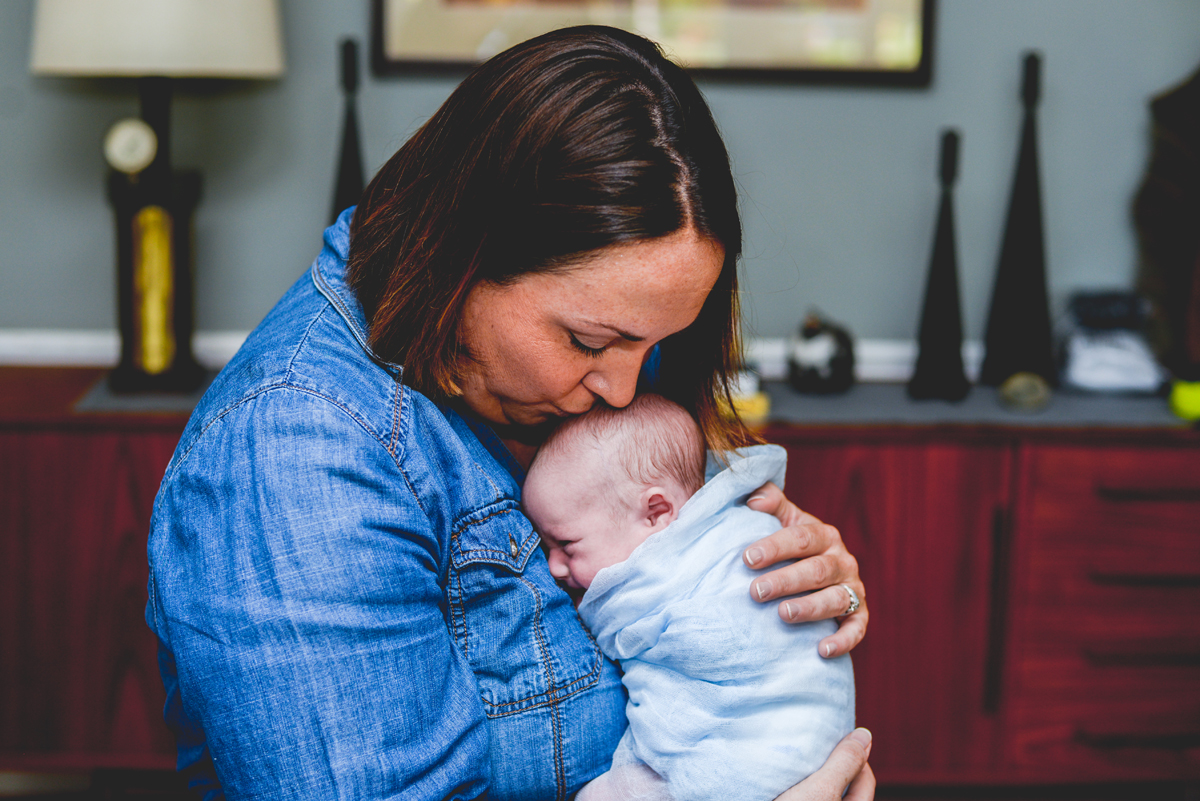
(658, 508)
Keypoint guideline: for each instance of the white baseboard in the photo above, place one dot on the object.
(57, 348)
(875, 359)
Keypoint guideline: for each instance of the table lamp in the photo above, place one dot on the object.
(155, 41)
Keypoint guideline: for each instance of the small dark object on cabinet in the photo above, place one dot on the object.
(350, 182)
(1019, 338)
(939, 371)
(1108, 310)
(821, 358)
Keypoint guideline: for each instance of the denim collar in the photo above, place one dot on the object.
(329, 275)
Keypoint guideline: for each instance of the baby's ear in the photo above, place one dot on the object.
(658, 509)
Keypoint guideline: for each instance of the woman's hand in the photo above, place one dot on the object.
(847, 765)
(824, 566)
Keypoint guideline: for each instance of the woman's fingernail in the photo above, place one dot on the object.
(789, 611)
(763, 588)
(754, 556)
(756, 498)
(861, 736)
(828, 651)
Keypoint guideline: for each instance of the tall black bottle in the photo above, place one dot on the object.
(349, 183)
(939, 372)
(1018, 338)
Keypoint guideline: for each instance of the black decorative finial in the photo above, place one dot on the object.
(349, 66)
(1031, 81)
(1019, 338)
(349, 183)
(939, 371)
(949, 161)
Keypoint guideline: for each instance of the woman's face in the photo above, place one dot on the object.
(550, 344)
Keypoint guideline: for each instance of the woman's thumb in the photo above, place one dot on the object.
(848, 757)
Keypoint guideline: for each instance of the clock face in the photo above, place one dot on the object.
(130, 145)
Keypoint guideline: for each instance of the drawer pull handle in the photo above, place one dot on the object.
(1149, 494)
(1173, 742)
(1145, 579)
(993, 678)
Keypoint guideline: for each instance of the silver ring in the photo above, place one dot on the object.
(854, 601)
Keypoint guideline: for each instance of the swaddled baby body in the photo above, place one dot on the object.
(725, 699)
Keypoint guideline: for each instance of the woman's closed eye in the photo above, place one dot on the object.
(589, 350)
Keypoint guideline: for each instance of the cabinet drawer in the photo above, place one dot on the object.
(1111, 545)
(1106, 670)
(1144, 500)
(1063, 737)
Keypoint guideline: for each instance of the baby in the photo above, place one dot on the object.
(725, 699)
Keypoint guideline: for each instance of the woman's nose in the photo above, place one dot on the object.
(616, 385)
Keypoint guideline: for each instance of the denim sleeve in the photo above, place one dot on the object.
(295, 586)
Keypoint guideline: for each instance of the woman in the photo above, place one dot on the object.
(348, 600)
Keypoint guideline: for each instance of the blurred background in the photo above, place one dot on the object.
(838, 183)
(1034, 578)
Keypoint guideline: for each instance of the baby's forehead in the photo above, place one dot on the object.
(582, 444)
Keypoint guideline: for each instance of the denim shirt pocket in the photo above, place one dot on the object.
(517, 629)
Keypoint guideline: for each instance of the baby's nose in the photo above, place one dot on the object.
(558, 564)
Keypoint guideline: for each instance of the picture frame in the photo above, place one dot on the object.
(861, 42)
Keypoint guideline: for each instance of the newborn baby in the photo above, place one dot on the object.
(725, 699)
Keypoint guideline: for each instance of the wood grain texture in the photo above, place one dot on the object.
(79, 682)
(1106, 672)
(43, 398)
(919, 519)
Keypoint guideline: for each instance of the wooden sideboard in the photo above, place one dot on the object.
(1034, 591)
(1034, 596)
(79, 685)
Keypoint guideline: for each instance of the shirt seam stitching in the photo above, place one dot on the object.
(283, 385)
(318, 317)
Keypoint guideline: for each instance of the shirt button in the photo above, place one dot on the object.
(512, 548)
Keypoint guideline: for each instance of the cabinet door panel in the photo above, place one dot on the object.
(921, 519)
(79, 681)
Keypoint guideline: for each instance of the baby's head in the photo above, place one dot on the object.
(607, 480)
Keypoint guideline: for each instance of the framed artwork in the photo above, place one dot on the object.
(879, 42)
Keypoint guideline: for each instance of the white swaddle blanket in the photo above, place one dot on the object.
(725, 699)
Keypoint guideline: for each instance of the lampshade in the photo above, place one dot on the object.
(174, 38)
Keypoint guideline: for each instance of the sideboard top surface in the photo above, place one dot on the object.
(61, 397)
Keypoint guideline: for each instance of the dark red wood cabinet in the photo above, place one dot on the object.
(79, 684)
(1105, 665)
(1034, 594)
(1034, 597)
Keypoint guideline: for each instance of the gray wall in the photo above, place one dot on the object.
(838, 185)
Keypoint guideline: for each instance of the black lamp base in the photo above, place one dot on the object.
(181, 379)
(154, 282)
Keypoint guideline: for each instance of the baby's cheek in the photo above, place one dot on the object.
(582, 574)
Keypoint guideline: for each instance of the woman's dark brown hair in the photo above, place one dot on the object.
(575, 140)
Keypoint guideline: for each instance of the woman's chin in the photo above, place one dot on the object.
(531, 430)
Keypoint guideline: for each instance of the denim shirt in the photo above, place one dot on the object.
(348, 600)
